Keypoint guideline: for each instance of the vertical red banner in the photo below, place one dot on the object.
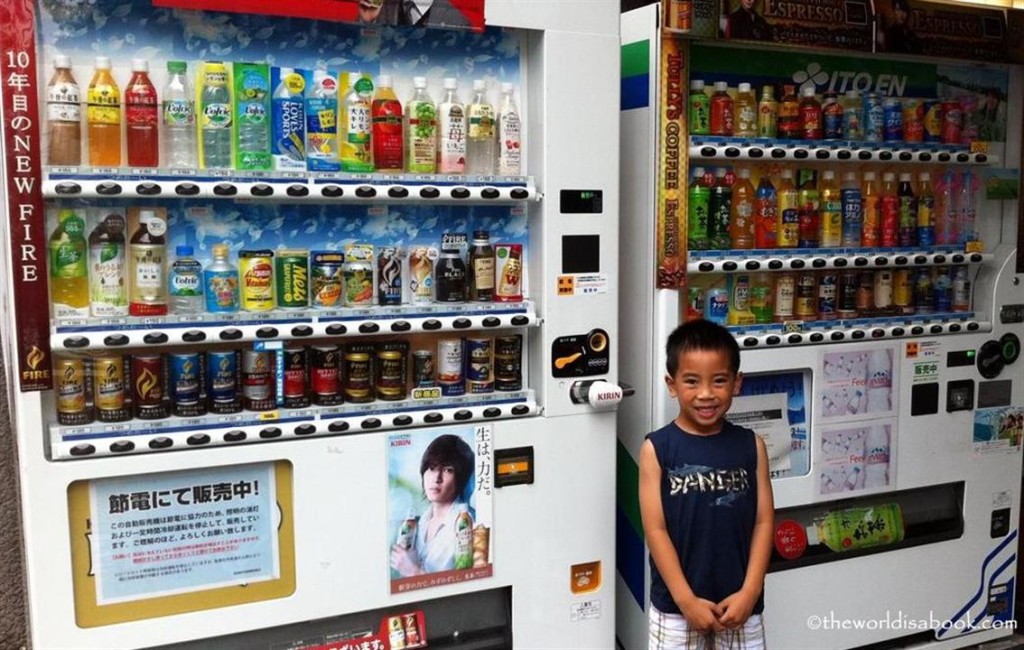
(19, 88)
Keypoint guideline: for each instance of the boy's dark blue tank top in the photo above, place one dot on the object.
(709, 497)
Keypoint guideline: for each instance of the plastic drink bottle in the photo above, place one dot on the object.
(745, 108)
(452, 127)
(741, 214)
(961, 290)
(761, 299)
(720, 212)
(853, 116)
(766, 214)
(853, 218)
(965, 209)
(185, 283)
(510, 128)
(908, 212)
(789, 125)
(147, 256)
(722, 110)
(890, 212)
(876, 457)
(69, 266)
(739, 300)
(810, 225)
(810, 115)
(108, 282)
(386, 117)
(831, 213)
(288, 121)
(945, 211)
(421, 130)
(179, 118)
(700, 109)
(103, 115)
(855, 528)
(322, 122)
(871, 210)
(356, 132)
(215, 117)
(787, 233)
(251, 118)
(140, 112)
(767, 114)
(925, 210)
(698, 211)
(63, 116)
(481, 143)
(220, 282)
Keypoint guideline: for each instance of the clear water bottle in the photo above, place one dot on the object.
(965, 209)
(482, 145)
(179, 118)
(185, 284)
(215, 101)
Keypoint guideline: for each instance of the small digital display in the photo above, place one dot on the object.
(581, 202)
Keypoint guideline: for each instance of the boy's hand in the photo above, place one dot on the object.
(736, 609)
(702, 615)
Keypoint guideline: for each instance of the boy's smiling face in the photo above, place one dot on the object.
(704, 385)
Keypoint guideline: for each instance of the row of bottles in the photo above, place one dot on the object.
(112, 387)
(249, 116)
(762, 298)
(807, 208)
(804, 117)
(107, 276)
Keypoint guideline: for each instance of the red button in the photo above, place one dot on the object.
(790, 539)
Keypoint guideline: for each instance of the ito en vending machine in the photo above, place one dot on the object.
(868, 266)
(310, 319)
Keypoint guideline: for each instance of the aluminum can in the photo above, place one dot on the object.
(392, 371)
(785, 291)
(109, 388)
(866, 294)
(291, 268)
(72, 406)
(892, 120)
(421, 275)
(423, 369)
(296, 377)
(480, 367)
(874, 118)
(451, 367)
(508, 363)
(389, 276)
(148, 386)
(932, 120)
(327, 281)
(847, 301)
(256, 277)
(324, 381)
(903, 291)
(222, 380)
(913, 121)
(952, 122)
(716, 305)
(258, 380)
(357, 273)
(805, 301)
(186, 375)
(828, 287)
(358, 379)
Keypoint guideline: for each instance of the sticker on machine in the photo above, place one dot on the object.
(585, 611)
(583, 284)
(858, 384)
(998, 430)
(440, 491)
(857, 458)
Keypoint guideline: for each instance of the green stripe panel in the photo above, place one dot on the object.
(628, 488)
(635, 58)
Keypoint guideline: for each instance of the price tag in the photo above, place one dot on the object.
(268, 416)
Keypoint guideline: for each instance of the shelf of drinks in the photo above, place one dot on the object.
(795, 259)
(71, 182)
(853, 330)
(723, 148)
(214, 430)
(76, 335)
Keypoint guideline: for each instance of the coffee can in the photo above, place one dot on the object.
(258, 389)
(451, 367)
(903, 291)
(327, 279)
(108, 381)
(480, 367)
(296, 377)
(72, 407)
(148, 386)
(389, 276)
(358, 373)
(222, 381)
(508, 363)
(392, 371)
(324, 379)
(423, 369)
(186, 384)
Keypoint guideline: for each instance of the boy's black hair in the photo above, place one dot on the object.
(449, 450)
(700, 334)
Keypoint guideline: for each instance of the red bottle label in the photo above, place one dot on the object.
(386, 117)
(721, 115)
(890, 221)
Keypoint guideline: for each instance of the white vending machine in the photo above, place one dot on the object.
(310, 315)
(879, 346)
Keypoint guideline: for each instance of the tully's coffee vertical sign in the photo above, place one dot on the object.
(671, 207)
(26, 219)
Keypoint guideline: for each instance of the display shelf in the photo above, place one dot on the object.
(92, 183)
(797, 259)
(720, 148)
(175, 433)
(855, 330)
(75, 335)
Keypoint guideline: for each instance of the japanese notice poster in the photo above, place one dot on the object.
(857, 458)
(857, 384)
(792, 456)
(440, 491)
(144, 545)
(998, 430)
(768, 417)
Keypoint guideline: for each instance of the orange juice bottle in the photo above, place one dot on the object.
(103, 116)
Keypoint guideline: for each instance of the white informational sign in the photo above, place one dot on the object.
(184, 531)
(857, 457)
(857, 384)
(768, 416)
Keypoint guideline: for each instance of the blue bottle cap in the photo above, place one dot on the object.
(183, 251)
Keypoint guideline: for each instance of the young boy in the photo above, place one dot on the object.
(706, 503)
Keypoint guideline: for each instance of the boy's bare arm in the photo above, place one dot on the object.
(739, 606)
(700, 613)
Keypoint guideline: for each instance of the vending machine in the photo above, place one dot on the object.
(868, 265)
(310, 315)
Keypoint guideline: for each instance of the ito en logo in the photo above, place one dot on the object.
(843, 81)
(812, 77)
